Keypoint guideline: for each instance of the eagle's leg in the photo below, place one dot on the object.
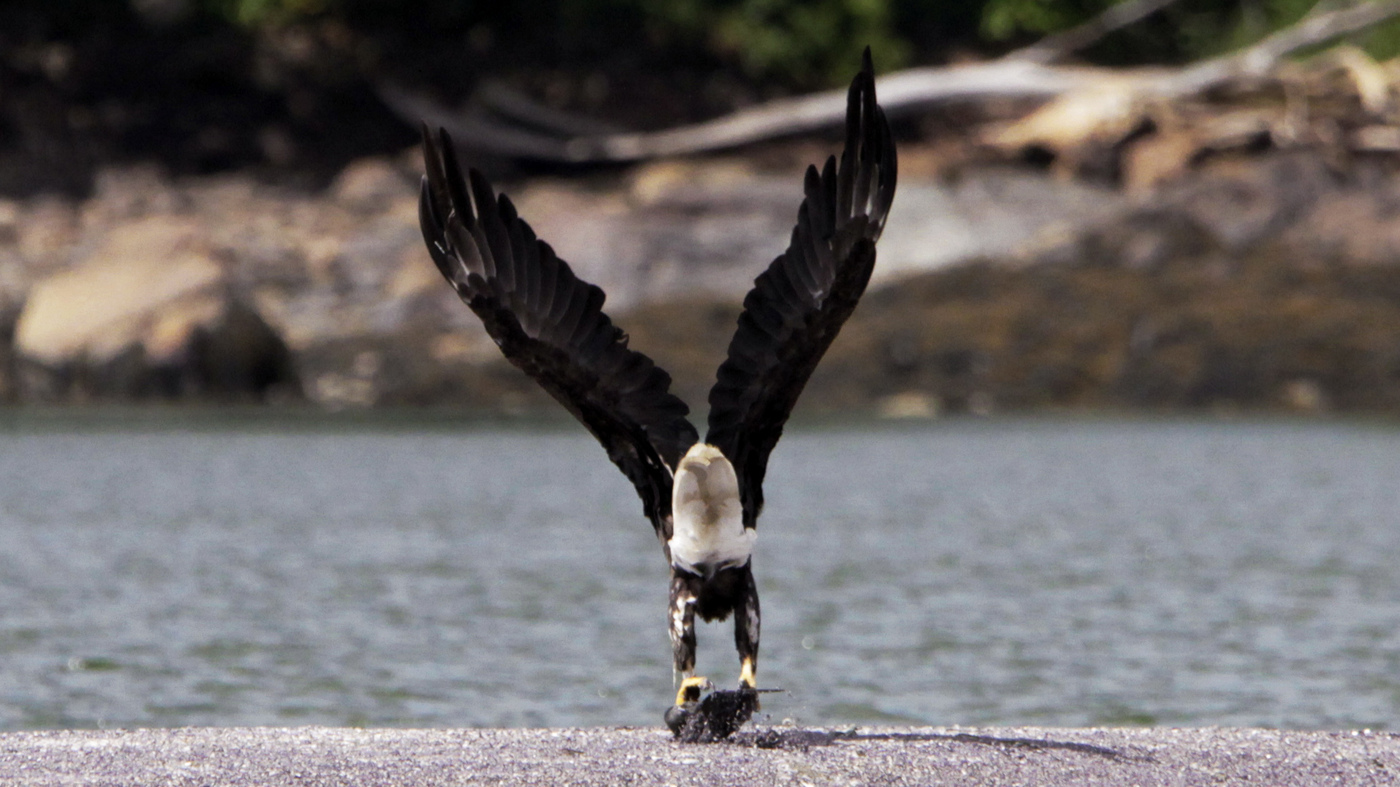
(682, 611)
(746, 624)
(746, 627)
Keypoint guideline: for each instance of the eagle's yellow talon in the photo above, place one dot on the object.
(691, 689)
(747, 677)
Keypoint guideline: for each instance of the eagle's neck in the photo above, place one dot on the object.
(708, 531)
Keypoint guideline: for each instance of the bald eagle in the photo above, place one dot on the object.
(703, 498)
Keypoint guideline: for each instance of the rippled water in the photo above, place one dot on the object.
(1046, 572)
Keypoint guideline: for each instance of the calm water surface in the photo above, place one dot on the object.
(1040, 572)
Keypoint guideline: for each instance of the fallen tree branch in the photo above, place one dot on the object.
(900, 92)
(512, 104)
(471, 130)
(1116, 102)
(1057, 45)
(1258, 59)
(1025, 74)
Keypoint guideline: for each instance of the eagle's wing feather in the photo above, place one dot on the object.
(798, 305)
(551, 324)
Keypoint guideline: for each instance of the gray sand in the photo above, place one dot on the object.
(782, 755)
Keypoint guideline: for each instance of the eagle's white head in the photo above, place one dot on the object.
(708, 533)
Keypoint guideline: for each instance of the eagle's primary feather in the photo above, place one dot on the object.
(551, 324)
(798, 305)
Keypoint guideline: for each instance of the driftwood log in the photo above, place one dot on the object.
(1081, 102)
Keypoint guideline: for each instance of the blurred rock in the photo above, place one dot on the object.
(1247, 280)
(147, 310)
(47, 229)
(371, 184)
(145, 282)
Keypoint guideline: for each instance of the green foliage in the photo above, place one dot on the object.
(1004, 19)
(1383, 41)
(1208, 31)
(798, 40)
(1185, 30)
(811, 42)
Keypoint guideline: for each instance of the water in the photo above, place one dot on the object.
(1003, 572)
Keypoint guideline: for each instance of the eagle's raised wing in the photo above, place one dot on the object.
(798, 305)
(550, 324)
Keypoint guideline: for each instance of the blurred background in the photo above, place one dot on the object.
(1107, 213)
(1100, 207)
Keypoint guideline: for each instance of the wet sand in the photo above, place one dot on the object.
(764, 756)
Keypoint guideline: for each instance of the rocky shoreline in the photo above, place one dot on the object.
(1263, 281)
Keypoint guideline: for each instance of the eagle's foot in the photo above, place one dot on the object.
(748, 679)
(691, 689)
